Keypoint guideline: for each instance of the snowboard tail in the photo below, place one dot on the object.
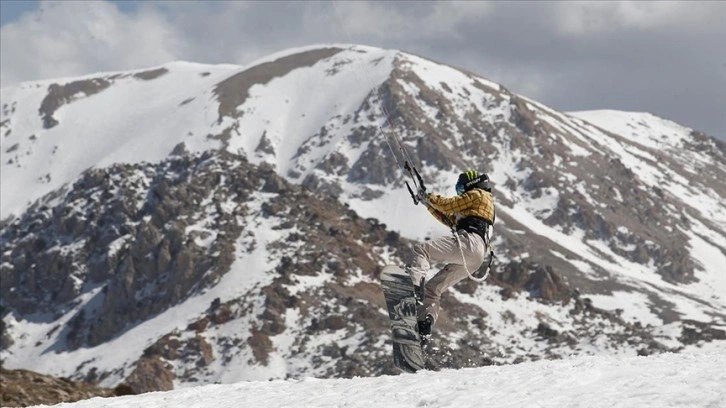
(401, 303)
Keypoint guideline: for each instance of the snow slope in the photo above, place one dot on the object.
(135, 120)
(646, 133)
(129, 121)
(686, 380)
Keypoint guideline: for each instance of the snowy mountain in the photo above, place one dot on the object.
(190, 223)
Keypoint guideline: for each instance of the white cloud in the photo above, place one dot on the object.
(663, 57)
(407, 20)
(597, 17)
(448, 16)
(75, 38)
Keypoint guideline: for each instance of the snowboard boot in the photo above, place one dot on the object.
(424, 328)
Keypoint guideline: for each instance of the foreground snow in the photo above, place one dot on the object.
(669, 380)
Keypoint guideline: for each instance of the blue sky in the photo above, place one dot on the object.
(666, 58)
(12, 9)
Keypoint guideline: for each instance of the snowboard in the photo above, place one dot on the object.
(399, 292)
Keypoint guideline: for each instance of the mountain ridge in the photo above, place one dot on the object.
(201, 235)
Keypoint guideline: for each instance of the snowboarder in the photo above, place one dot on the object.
(469, 214)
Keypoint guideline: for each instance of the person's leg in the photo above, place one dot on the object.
(436, 251)
(454, 272)
(447, 277)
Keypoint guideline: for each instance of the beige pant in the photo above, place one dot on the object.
(445, 250)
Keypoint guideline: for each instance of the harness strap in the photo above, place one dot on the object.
(487, 245)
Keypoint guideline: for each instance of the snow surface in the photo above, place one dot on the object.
(643, 128)
(685, 380)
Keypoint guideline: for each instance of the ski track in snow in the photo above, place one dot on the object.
(686, 380)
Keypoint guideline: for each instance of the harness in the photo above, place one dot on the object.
(479, 226)
(475, 225)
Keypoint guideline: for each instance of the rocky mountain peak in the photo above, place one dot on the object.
(195, 224)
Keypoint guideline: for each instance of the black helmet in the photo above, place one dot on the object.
(472, 179)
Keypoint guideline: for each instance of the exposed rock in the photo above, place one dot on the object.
(180, 150)
(696, 332)
(261, 346)
(165, 259)
(150, 374)
(541, 282)
(265, 145)
(233, 91)
(151, 74)
(59, 95)
(22, 388)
